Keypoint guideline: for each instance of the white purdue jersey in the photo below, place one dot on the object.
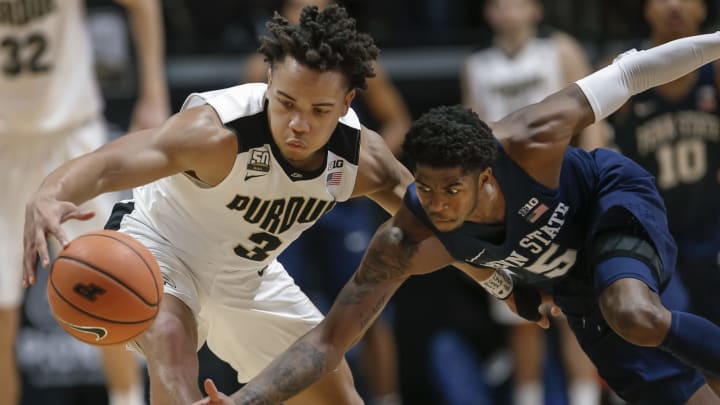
(264, 204)
(502, 83)
(47, 79)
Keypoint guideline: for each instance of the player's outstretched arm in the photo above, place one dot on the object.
(395, 253)
(193, 139)
(536, 136)
(592, 98)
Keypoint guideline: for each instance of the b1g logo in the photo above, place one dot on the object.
(335, 164)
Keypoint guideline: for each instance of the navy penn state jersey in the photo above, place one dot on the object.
(679, 141)
(547, 231)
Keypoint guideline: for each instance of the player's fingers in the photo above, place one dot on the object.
(29, 265)
(81, 215)
(211, 390)
(544, 322)
(43, 253)
(62, 238)
(555, 310)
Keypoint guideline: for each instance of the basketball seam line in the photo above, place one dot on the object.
(147, 266)
(93, 315)
(99, 270)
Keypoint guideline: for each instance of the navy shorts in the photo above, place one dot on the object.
(641, 375)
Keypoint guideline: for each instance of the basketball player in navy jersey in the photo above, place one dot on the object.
(516, 208)
(523, 66)
(673, 131)
(222, 188)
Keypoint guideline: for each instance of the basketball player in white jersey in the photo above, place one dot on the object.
(376, 367)
(222, 188)
(522, 67)
(50, 112)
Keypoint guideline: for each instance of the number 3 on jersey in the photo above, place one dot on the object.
(264, 244)
(24, 54)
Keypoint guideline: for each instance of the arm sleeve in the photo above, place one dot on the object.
(636, 71)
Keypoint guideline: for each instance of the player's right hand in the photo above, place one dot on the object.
(43, 217)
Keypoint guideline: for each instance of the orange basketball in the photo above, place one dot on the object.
(105, 288)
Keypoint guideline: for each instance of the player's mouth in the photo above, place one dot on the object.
(295, 144)
(441, 219)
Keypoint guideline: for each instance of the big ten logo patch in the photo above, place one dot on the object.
(335, 164)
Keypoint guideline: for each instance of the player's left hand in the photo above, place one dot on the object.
(545, 307)
(214, 397)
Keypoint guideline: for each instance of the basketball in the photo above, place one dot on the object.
(105, 288)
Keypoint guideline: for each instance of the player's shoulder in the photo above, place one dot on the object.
(372, 145)
(231, 103)
(350, 119)
(565, 43)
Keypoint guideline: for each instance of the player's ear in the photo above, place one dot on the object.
(348, 100)
(269, 75)
(485, 176)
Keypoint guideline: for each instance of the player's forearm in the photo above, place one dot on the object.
(634, 72)
(148, 33)
(77, 181)
(113, 167)
(305, 362)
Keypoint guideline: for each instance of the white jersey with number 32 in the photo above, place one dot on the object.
(47, 79)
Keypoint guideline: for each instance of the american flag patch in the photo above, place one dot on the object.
(333, 179)
(536, 213)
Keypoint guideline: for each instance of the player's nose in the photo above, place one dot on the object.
(299, 124)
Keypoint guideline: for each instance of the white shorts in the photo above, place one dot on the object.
(247, 317)
(24, 163)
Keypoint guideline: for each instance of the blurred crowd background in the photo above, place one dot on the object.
(449, 347)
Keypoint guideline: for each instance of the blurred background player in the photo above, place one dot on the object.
(523, 65)
(673, 131)
(326, 255)
(51, 111)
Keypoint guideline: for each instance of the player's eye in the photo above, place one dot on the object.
(287, 104)
(321, 111)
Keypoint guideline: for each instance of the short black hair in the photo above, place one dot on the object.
(451, 136)
(323, 40)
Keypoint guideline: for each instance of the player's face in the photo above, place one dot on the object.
(304, 106)
(672, 19)
(448, 195)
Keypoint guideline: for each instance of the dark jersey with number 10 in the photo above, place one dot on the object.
(679, 142)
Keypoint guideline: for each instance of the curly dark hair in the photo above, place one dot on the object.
(323, 40)
(451, 136)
